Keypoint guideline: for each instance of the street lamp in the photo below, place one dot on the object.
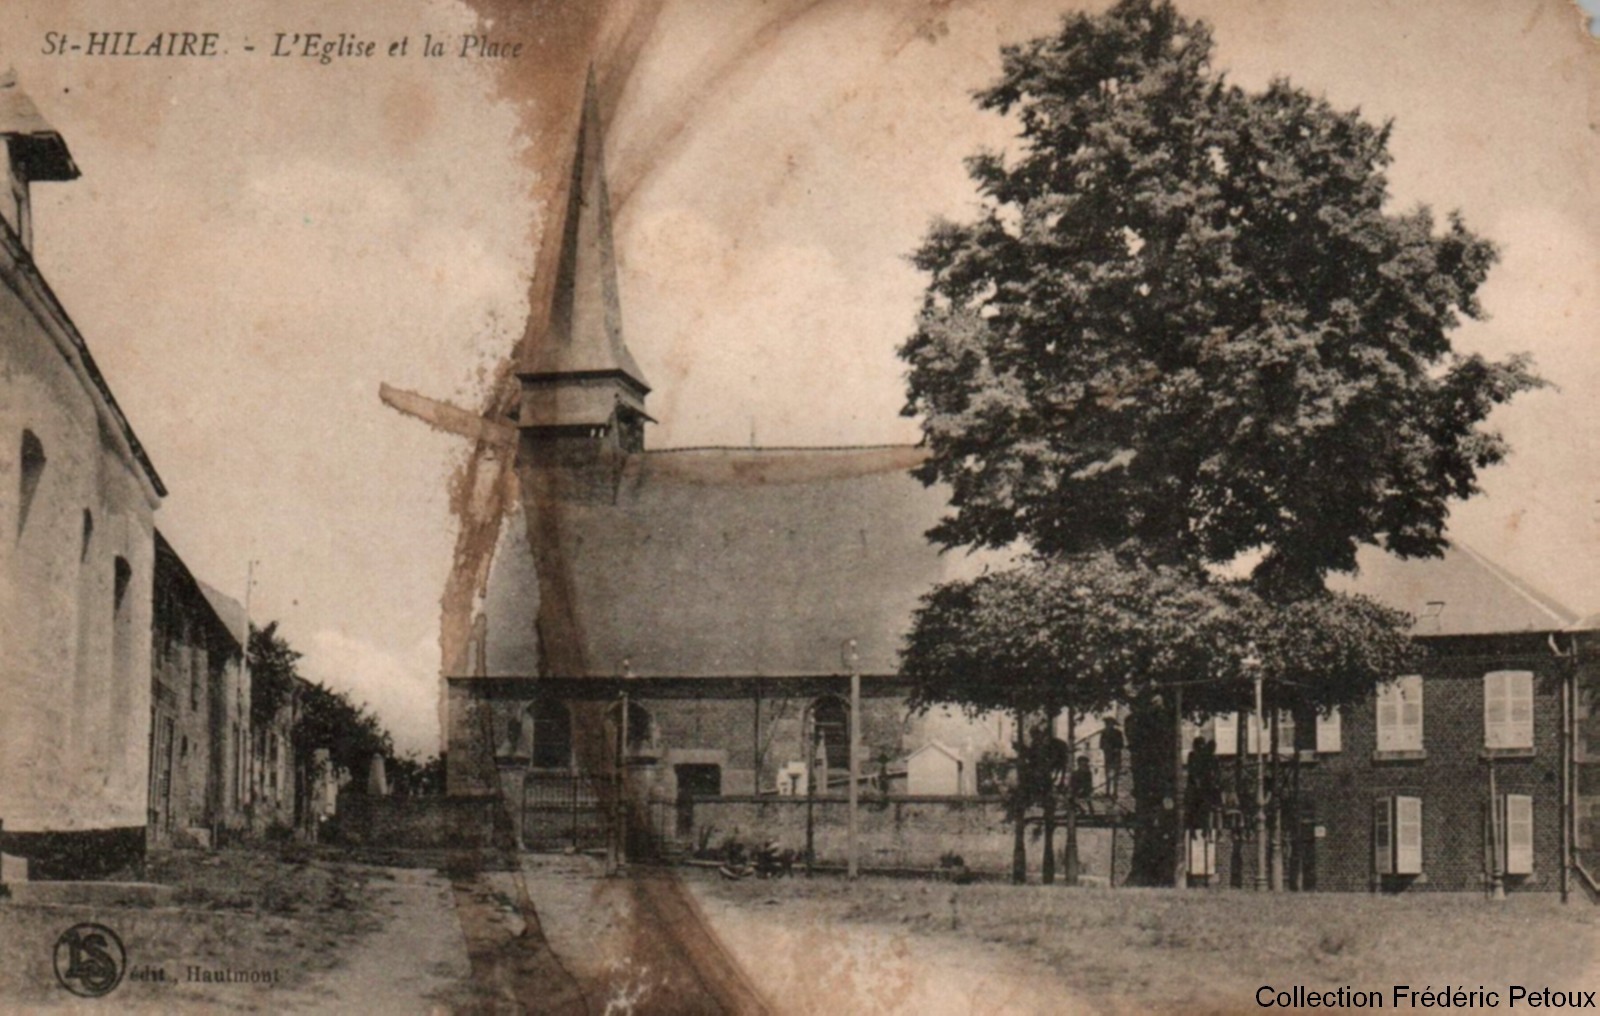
(1252, 664)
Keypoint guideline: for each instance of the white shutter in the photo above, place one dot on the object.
(1519, 709)
(1519, 834)
(1383, 836)
(1329, 730)
(1202, 853)
(1408, 836)
(1389, 716)
(1411, 712)
(1496, 708)
(1225, 731)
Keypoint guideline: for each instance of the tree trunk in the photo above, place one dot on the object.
(1149, 733)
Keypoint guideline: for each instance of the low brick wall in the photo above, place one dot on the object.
(415, 822)
(894, 833)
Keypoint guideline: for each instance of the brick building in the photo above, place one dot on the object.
(77, 557)
(1444, 777)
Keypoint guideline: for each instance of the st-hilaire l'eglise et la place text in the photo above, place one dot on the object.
(323, 47)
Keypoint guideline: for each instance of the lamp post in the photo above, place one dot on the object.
(1253, 665)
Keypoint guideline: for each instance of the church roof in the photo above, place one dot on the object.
(1461, 593)
(725, 562)
(735, 562)
(36, 145)
(584, 332)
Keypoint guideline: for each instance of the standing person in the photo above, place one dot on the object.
(1083, 785)
(1111, 744)
(1205, 782)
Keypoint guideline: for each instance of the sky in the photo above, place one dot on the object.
(257, 243)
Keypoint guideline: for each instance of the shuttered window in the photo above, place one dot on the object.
(1508, 709)
(1397, 836)
(1518, 825)
(1400, 714)
(1258, 736)
(1329, 730)
(1225, 730)
(1408, 836)
(1202, 853)
(1383, 836)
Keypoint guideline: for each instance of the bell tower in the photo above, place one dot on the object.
(582, 393)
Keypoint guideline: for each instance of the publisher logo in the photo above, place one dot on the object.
(90, 960)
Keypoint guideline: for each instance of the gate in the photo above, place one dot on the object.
(562, 810)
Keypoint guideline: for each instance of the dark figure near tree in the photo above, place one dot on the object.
(1205, 782)
(1083, 785)
(1111, 744)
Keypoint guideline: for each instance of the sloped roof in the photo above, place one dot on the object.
(227, 614)
(39, 148)
(228, 610)
(723, 562)
(1461, 593)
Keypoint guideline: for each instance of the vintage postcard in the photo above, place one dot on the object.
(722, 506)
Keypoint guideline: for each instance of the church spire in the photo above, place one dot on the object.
(580, 379)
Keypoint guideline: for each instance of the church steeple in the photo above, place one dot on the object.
(580, 385)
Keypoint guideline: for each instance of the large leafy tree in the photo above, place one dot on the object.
(1187, 315)
(1187, 327)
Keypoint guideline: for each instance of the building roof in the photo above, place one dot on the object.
(228, 610)
(226, 615)
(744, 562)
(1461, 593)
(723, 562)
(37, 145)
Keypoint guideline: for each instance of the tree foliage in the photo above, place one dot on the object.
(1091, 632)
(1186, 316)
(351, 734)
(322, 718)
(273, 673)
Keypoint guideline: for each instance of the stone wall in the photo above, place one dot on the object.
(76, 551)
(415, 822)
(895, 833)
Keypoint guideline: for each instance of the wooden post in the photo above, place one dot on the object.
(811, 792)
(1072, 803)
(1180, 868)
(1277, 811)
(1568, 709)
(854, 864)
(1261, 881)
(1019, 810)
(1497, 882)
